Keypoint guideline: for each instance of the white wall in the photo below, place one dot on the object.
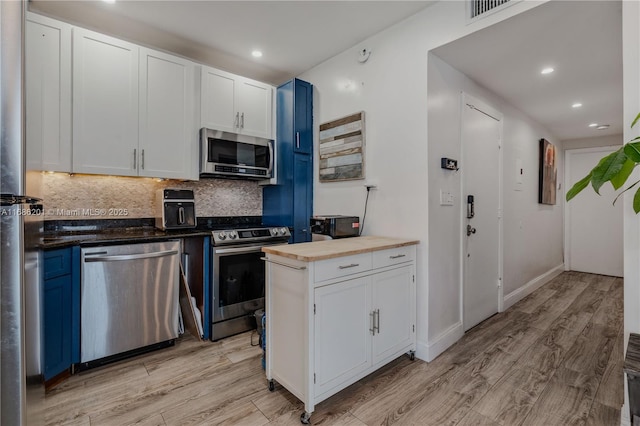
(594, 142)
(391, 87)
(533, 237)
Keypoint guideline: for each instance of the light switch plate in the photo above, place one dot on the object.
(446, 198)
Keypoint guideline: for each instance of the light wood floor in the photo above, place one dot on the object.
(555, 358)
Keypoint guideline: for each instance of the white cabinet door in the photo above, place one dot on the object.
(105, 104)
(218, 108)
(254, 103)
(342, 339)
(236, 104)
(48, 94)
(394, 307)
(168, 136)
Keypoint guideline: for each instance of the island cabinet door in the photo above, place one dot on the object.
(342, 336)
(394, 311)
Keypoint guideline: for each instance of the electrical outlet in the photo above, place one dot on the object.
(448, 163)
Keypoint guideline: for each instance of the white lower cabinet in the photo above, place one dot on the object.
(331, 322)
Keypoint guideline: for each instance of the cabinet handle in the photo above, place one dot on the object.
(135, 158)
(376, 320)
(142, 161)
(242, 120)
(353, 265)
(237, 122)
(298, 140)
(372, 329)
(398, 256)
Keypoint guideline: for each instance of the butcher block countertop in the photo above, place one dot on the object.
(319, 250)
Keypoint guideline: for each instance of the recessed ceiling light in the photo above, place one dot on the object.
(109, 1)
(593, 124)
(547, 70)
(602, 127)
(576, 105)
(256, 54)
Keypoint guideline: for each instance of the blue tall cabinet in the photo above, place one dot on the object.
(290, 201)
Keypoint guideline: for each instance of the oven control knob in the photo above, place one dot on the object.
(233, 235)
(222, 235)
(273, 232)
(283, 231)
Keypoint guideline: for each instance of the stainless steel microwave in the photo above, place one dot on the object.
(231, 155)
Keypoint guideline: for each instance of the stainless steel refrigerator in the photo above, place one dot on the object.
(21, 379)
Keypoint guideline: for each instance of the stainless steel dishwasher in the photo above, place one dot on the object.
(129, 298)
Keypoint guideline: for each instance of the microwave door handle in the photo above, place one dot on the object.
(270, 145)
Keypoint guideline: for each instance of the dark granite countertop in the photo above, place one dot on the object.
(67, 233)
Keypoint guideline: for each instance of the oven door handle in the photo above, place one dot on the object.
(250, 249)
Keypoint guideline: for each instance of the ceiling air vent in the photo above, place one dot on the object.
(478, 7)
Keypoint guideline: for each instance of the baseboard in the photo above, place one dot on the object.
(624, 415)
(442, 342)
(520, 293)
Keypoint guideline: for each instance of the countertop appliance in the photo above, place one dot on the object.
(22, 384)
(336, 226)
(238, 276)
(129, 299)
(231, 155)
(175, 209)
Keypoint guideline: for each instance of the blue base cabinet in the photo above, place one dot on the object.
(61, 306)
(290, 201)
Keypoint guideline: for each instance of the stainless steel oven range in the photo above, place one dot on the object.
(238, 276)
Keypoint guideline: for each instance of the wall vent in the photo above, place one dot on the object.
(478, 7)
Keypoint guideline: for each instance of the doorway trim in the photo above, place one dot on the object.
(469, 101)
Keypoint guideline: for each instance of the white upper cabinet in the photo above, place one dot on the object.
(105, 104)
(48, 94)
(168, 133)
(236, 104)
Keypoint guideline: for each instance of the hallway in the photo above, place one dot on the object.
(554, 358)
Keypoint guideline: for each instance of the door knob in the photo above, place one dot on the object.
(470, 230)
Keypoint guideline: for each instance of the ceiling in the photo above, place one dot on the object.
(294, 36)
(582, 40)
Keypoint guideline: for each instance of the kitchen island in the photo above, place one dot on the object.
(337, 310)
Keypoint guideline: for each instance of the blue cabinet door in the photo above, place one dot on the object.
(57, 325)
(61, 309)
(303, 117)
(303, 197)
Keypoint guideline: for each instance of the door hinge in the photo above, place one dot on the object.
(314, 377)
(414, 278)
(314, 309)
(414, 328)
(499, 282)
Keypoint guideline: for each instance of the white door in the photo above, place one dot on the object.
(218, 108)
(393, 304)
(593, 225)
(105, 104)
(480, 131)
(167, 131)
(342, 336)
(254, 103)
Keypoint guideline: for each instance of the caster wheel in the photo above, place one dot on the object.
(304, 418)
(272, 386)
(412, 355)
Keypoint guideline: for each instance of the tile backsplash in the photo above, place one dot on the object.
(71, 197)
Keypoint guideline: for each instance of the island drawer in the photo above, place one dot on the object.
(383, 258)
(342, 266)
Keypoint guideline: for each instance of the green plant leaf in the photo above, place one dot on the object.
(618, 180)
(578, 187)
(620, 194)
(636, 202)
(632, 149)
(607, 169)
(635, 120)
